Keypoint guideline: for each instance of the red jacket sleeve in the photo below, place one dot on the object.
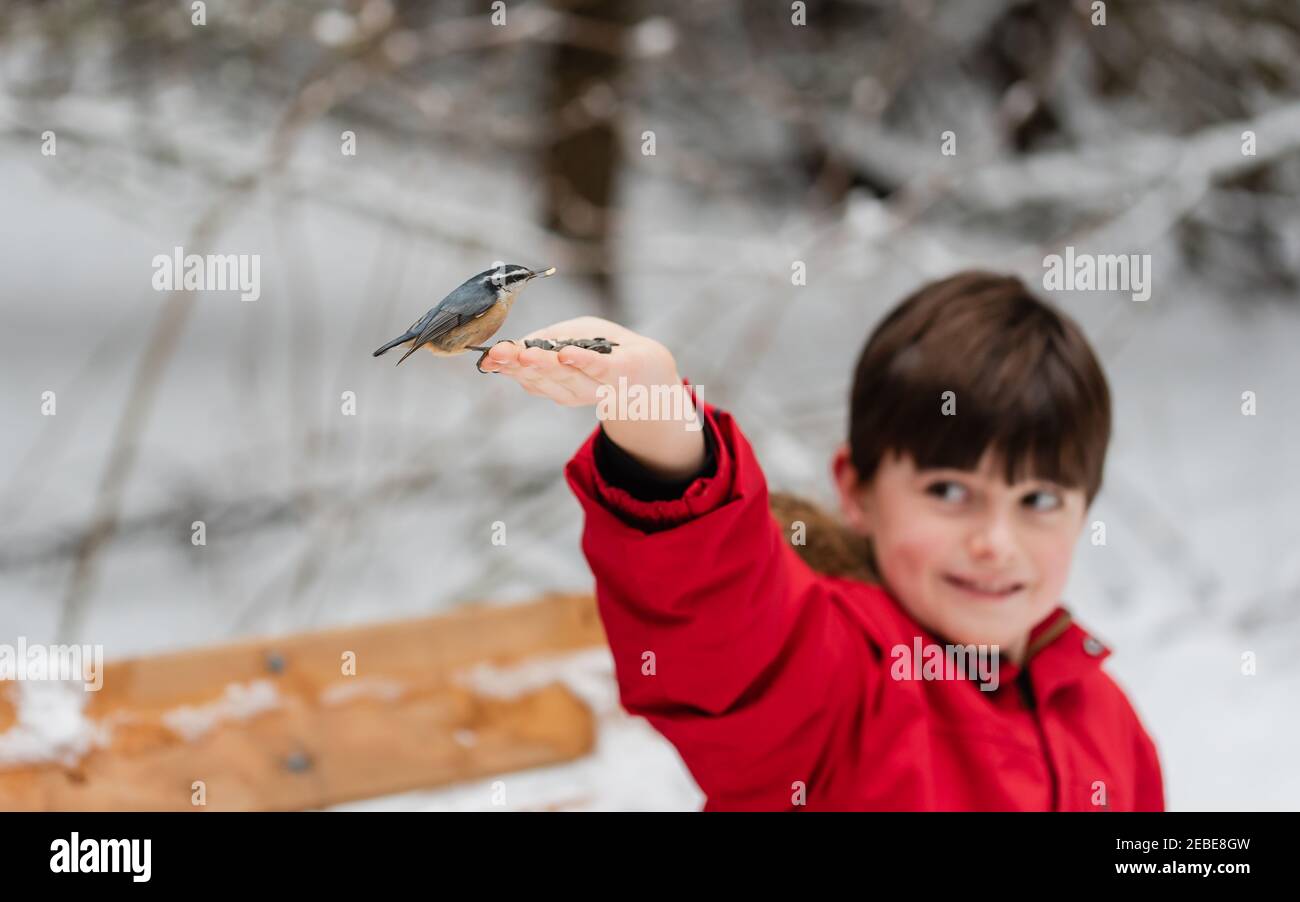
(1150, 789)
(720, 637)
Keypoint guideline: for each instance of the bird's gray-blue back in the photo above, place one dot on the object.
(466, 301)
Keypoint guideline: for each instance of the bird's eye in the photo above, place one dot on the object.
(947, 490)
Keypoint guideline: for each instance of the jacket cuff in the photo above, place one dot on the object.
(622, 470)
(703, 494)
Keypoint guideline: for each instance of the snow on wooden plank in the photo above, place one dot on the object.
(301, 721)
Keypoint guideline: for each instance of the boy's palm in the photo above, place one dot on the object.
(572, 375)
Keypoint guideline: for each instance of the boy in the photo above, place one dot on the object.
(977, 434)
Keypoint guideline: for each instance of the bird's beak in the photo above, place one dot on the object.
(545, 272)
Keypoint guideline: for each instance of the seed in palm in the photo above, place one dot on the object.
(599, 345)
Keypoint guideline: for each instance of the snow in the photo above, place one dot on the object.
(360, 687)
(631, 768)
(51, 725)
(239, 701)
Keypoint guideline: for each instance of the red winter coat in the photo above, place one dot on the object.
(770, 678)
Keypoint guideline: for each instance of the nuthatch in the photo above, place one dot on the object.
(469, 315)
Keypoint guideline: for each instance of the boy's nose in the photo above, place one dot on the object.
(991, 541)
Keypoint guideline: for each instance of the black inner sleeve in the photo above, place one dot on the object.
(621, 469)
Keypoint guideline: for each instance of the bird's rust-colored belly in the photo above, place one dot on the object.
(474, 332)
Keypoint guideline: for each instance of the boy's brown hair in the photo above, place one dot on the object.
(1024, 381)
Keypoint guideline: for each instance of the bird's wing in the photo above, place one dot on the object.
(453, 310)
(440, 323)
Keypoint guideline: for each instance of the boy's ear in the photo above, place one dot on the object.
(853, 501)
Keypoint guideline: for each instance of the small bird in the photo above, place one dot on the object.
(470, 315)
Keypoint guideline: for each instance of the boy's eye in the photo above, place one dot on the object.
(946, 490)
(1043, 501)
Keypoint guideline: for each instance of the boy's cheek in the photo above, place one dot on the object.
(908, 560)
(1052, 583)
(1053, 557)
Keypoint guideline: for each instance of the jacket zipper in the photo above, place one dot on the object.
(1027, 693)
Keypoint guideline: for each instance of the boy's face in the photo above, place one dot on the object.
(970, 557)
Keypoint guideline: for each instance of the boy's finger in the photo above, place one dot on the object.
(575, 383)
(534, 390)
(546, 365)
(545, 387)
(503, 354)
(579, 388)
(590, 363)
(538, 358)
(528, 378)
(549, 379)
(525, 375)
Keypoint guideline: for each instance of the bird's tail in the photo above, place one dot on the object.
(404, 337)
(414, 347)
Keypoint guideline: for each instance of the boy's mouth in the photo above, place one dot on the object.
(991, 590)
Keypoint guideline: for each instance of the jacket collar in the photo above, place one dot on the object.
(1059, 652)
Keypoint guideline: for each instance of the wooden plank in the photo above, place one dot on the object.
(275, 724)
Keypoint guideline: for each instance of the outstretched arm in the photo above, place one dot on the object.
(721, 635)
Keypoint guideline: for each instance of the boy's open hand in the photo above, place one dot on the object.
(572, 375)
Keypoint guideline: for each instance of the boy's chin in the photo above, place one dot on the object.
(1005, 627)
(985, 639)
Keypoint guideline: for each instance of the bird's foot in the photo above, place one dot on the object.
(478, 364)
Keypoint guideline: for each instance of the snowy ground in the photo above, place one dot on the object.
(1202, 562)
